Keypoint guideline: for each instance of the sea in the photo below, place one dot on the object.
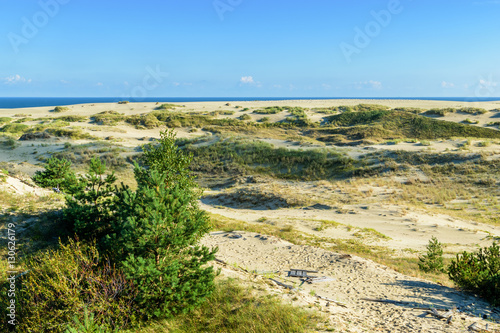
(27, 102)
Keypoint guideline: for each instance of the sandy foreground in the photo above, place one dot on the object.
(352, 278)
(358, 296)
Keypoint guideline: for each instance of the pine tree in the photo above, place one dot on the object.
(58, 175)
(90, 211)
(156, 241)
(433, 260)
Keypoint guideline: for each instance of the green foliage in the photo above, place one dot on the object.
(155, 239)
(167, 106)
(439, 112)
(89, 212)
(167, 158)
(469, 121)
(5, 120)
(60, 284)
(58, 174)
(75, 134)
(14, 128)
(433, 260)
(471, 110)
(270, 110)
(73, 118)
(87, 326)
(148, 120)
(478, 272)
(394, 124)
(123, 102)
(9, 143)
(244, 117)
(60, 109)
(237, 155)
(234, 309)
(108, 118)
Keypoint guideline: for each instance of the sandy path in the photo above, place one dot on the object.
(353, 278)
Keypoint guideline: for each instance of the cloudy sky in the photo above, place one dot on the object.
(250, 48)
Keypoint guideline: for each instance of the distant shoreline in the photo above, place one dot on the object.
(32, 102)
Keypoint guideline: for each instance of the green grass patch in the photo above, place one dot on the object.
(61, 109)
(14, 128)
(108, 118)
(270, 110)
(239, 155)
(5, 120)
(397, 124)
(167, 106)
(233, 308)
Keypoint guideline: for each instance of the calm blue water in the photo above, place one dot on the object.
(26, 102)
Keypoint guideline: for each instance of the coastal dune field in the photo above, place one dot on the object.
(353, 189)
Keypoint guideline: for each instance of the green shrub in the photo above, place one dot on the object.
(270, 110)
(149, 120)
(245, 117)
(468, 121)
(60, 109)
(89, 212)
(439, 112)
(167, 106)
(5, 120)
(264, 120)
(471, 110)
(57, 174)
(14, 128)
(433, 260)
(123, 102)
(73, 118)
(478, 272)
(88, 325)
(60, 284)
(108, 118)
(9, 143)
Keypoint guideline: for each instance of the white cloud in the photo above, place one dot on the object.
(486, 83)
(16, 79)
(100, 84)
(247, 80)
(445, 84)
(369, 85)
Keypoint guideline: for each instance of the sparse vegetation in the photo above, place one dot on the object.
(478, 272)
(433, 260)
(61, 109)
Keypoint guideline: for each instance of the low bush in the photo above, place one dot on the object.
(61, 284)
(108, 118)
(167, 106)
(14, 128)
(5, 120)
(478, 272)
(148, 120)
(60, 109)
(474, 111)
(244, 117)
(439, 112)
(270, 110)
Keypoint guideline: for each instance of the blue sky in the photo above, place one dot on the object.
(245, 48)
